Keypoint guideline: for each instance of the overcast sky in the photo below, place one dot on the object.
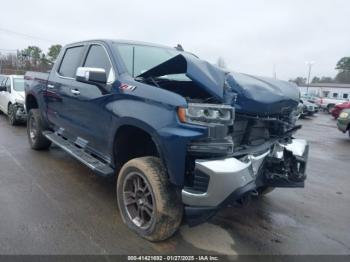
(251, 36)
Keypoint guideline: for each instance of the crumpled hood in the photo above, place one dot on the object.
(204, 74)
(262, 95)
(255, 95)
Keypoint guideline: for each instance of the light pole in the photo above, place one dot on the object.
(309, 64)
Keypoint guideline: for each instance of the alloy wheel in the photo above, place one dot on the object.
(138, 200)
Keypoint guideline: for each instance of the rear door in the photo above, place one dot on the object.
(60, 109)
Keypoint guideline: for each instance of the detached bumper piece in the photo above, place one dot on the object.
(287, 165)
(231, 179)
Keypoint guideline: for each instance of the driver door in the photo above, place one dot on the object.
(88, 103)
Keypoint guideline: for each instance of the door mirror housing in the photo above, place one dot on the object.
(91, 75)
(3, 88)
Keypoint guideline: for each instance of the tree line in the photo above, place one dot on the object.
(343, 75)
(31, 58)
(34, 59)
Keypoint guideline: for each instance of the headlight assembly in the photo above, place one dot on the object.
(202, 114)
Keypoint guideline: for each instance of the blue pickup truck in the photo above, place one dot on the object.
(183, 137)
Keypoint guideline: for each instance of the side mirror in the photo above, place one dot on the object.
(91, 75)
(3, 88)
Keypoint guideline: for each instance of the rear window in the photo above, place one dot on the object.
(70, 61)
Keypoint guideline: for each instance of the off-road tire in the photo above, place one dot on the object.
(168, 208)
(39, 142)
(11, 114)
(264, 190)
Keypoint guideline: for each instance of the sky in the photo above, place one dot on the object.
(252, 36)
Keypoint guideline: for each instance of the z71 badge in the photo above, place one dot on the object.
(124, 87)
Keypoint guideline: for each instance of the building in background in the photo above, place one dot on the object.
(330, 90)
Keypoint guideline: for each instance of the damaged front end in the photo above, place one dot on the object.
(217, 183)
(249, 144)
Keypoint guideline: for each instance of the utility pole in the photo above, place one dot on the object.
(309, 64)
(274, 71)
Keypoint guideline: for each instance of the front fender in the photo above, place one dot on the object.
(160, 122)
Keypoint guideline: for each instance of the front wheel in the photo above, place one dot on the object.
(11, 113)
(35, 127)
(149, 205)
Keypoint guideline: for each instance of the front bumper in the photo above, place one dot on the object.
(21, 113)
(230, 179)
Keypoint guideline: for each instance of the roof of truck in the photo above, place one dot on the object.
(120, 41)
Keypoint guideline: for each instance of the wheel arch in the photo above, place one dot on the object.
(127, 136)
(31, 102)
(8, 106)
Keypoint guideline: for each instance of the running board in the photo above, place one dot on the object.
(95, 164)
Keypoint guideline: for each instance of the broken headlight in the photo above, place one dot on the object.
(203, 114)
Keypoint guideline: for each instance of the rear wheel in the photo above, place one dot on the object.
(148, 203)
(35, 127)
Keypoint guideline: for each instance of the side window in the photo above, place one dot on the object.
(71, 61)
(98, 58)
(126, 52)
(8, 85)
(335, 95)
(345, 96)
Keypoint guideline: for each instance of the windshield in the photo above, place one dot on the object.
(18, 84)
(139, 59)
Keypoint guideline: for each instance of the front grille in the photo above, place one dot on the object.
(250, 132)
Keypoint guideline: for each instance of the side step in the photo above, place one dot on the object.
(95, 164)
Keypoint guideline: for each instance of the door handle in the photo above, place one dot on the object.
(75, 91)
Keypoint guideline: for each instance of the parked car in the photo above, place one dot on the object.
(310, 98)
(327, 104)
(179, 133)
(338, 109)
(308, 109)
(299, 110)
(343, 122)
(12, 98)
